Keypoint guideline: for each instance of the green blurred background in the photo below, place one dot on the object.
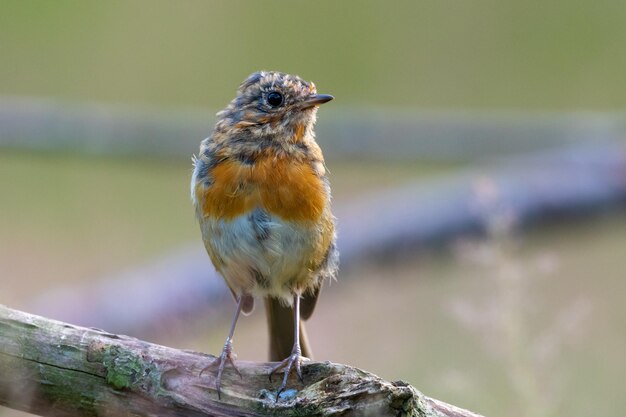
(532, 54)
(66, 217)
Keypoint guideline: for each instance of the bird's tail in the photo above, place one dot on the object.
(281, 330)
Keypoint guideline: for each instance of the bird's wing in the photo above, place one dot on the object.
(248, 301)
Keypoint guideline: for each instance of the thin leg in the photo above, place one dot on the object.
(296, 358)
(227, 352)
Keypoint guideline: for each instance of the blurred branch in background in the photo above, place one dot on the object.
(543, 186)
(46, 124)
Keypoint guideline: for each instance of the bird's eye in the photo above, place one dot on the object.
(275, 99)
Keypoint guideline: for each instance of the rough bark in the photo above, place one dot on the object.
(57, 369)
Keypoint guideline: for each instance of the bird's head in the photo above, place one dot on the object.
(273, 104)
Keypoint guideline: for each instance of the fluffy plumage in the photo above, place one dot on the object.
(262, 199)
(261, 193)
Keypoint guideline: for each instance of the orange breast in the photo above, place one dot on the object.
(285, 188)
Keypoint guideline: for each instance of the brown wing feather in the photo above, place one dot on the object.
(248, 302)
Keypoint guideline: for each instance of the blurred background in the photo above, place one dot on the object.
(478, 161)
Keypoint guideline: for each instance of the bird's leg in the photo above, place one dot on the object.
(227, 352)
(296, 358)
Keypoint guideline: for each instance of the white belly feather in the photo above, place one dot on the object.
(261, 254)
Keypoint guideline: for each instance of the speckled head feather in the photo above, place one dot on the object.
(273, 104)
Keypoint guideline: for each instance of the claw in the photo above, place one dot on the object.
(227, 352)
(299, 371)
(226, 356)
(296, 358)
(292, 361)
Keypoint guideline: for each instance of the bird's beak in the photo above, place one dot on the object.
(316, 100)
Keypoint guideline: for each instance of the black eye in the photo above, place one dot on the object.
(274, 99)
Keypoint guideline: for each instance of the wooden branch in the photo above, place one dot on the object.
(56, 369)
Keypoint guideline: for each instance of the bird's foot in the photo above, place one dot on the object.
(220, 362)
(292, 361)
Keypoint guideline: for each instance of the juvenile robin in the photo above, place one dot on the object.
(262, 199)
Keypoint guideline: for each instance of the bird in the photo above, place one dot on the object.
(262, 199)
